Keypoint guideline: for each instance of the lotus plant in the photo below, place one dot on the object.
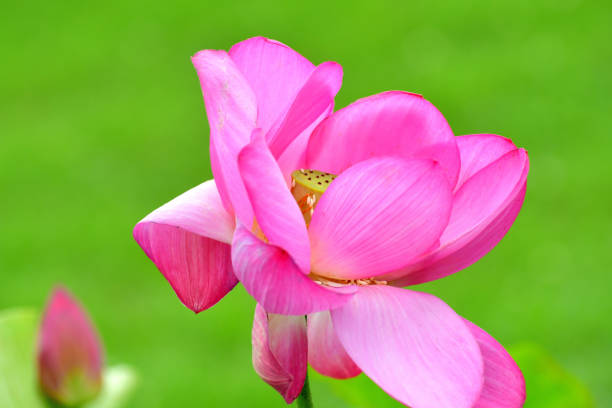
(325, 216)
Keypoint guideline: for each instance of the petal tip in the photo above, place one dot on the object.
(197, 268)
(280, 351)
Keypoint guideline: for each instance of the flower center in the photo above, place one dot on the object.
(307, 187)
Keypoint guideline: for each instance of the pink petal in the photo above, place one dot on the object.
(387, 124)
(378, 215)
(69, 352)
(325, 352)
(294, 156)
(270, 275)
(231, 108)
(187, 240)
(276, 211)
(314, 99)
(485, 193)
(280, 351)
(504, 385)
(275, 73)
(478, 151)
(412, 345)
(484, 209)
(198, 210)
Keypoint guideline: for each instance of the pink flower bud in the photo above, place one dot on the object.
(69, 352)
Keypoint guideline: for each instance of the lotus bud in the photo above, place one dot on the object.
(69, 352)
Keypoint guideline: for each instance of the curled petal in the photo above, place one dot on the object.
(484, 209)
(274, 72)
(325, 352)
(314, 99)
(504, 385)
(378, 215)
(271, 276)
(69, 352)
(412, 345)
(280, 351)
(198, 210)
(232, 110)
(276, 211)
(186, 239)
(388, 124)
(294, 156)
(486, 193)
(199, 269)
(478, 151)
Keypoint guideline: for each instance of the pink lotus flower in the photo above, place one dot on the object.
(392, 199)
(69, 352)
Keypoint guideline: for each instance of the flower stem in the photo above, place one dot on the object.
(304, 400)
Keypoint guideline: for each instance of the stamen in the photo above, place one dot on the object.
(258, 232)
(336, 283)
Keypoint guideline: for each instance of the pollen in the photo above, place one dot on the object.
(307, 187)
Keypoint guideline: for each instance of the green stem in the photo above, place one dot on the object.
(304, 400)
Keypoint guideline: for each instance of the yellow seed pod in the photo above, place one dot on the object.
(307, 187)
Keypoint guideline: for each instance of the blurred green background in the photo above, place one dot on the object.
(102, 121)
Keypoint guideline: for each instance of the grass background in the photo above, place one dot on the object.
(102, 120)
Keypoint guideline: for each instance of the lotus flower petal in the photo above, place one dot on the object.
(325, 352)
(187, 240)
(478, 151)
(271, 276)
(69, 352)
(276, 211)
(484, 209)
(387, 124)
(280, 351)
(412, 345)
(504, 385)
(274, 72)
(378, 215)
(314, 99)
(232, 111)
(294, 156)
(199, 211)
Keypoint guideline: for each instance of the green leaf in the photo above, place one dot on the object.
(18, 382)
(548, 384)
